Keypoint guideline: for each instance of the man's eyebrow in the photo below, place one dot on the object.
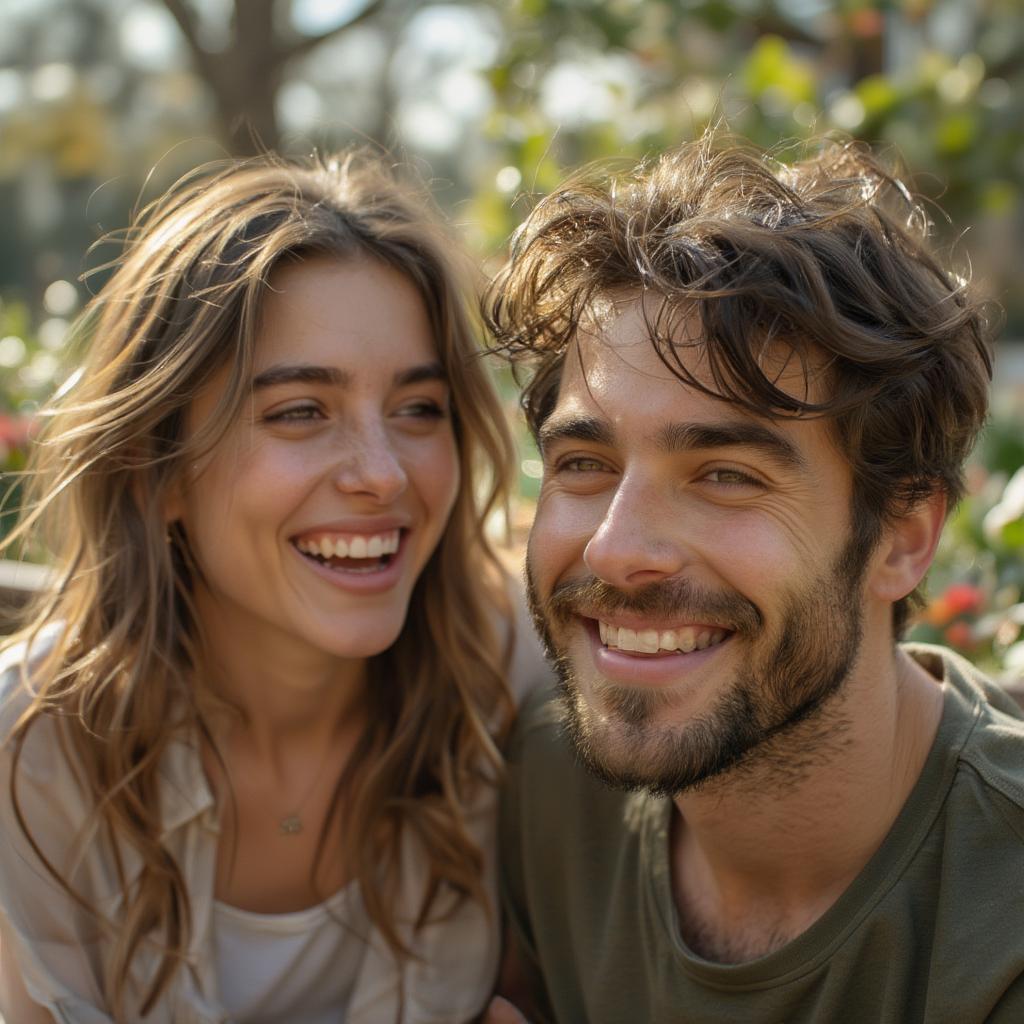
(574, 428)
(678, 437)
(310, 373)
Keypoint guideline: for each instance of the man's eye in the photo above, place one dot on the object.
(580, 464)
(731, 478)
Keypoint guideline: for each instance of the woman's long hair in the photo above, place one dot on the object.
(122, 678)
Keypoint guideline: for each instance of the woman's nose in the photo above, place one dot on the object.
(370, 465)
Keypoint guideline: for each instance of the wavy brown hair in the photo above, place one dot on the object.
(123, 677)
(829, 256)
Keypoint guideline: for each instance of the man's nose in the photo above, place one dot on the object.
(640, 538)
(370, 465)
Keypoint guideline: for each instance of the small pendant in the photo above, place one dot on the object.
(290, 826)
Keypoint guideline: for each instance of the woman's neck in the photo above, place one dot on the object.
(281, 693)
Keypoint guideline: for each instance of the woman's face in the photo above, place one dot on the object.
(316, 512)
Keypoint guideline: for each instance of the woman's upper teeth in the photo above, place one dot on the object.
(650, 641)
(350, 545)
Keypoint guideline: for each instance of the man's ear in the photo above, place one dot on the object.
(907, 548)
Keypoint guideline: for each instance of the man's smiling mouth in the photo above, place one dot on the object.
(351, 552)
(654, 641)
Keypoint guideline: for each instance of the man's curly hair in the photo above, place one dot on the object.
(829, 256)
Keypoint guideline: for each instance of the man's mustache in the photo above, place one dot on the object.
(680, 600)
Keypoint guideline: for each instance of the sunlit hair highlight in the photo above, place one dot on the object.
(184, 300)
(827, 259)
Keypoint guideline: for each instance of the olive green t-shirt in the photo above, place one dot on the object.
(931, 930)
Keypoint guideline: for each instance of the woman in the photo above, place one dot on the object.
(252, 727)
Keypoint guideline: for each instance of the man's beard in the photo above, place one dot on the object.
(615, 732)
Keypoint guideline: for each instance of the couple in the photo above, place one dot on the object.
(257, 728)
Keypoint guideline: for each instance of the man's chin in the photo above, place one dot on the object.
(619, 736)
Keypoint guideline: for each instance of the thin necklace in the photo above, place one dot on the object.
(291, 823)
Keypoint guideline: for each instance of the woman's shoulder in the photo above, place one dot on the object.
(20, 658)
(38, 748)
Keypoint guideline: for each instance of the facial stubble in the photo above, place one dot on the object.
(790, 680)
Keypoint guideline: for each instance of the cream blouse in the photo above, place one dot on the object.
(58, 945)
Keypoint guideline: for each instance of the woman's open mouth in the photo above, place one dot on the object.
(352, 553)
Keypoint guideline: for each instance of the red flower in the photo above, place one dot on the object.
(15, 431)
(964, 598)
(959, 634)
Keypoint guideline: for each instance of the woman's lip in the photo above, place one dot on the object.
(360, 527)
(366, 583)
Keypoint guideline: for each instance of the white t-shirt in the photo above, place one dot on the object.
(296, 966)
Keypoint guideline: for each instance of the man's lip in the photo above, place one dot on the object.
(664, 670)
(624, 620)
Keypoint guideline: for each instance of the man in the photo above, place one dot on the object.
(754, 391)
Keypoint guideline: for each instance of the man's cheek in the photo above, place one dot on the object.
(562, 527)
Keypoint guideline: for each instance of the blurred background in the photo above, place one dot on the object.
(104, 103)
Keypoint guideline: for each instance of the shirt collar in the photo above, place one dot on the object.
(183, 788)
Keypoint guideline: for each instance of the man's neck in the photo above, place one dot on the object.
(761, 853)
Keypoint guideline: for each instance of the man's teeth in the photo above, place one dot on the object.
(650, 641)
(370, 546)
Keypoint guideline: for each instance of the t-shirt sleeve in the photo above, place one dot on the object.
(52, 939)
(1010, 1007)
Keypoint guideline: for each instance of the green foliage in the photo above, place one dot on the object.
(772, 69)
(29, 372)
(977, 581)
(941, 88)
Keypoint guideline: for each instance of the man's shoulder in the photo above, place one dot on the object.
(541, 713)
(537, 736)
(990, 748)
(965, 678)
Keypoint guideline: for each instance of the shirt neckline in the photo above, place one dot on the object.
(292, 920)
(961, 709)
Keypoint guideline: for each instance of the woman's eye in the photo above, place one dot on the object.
(294, 414)
(426, 410)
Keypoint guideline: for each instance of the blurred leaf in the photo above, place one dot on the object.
(999, 198)
(878, 94)
(1002, 446)
(1013, 535)
(771, 65)
(955, 133)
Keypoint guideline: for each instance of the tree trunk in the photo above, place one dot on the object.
(245, 77)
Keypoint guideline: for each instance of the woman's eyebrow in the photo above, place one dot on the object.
(310, 373)
(420, 373)
(301, 373)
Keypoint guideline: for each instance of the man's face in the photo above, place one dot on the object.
(690, 566)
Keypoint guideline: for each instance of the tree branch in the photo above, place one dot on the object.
(303, 46)
(182, 14)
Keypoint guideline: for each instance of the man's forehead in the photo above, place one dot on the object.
(632, 333)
